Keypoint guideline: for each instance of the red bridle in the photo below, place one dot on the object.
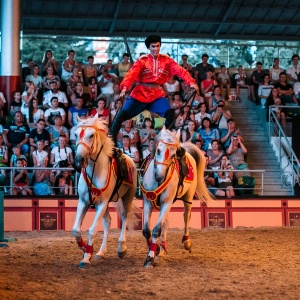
(167, 153)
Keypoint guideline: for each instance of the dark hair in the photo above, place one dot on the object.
(152, 39)
(53, 99)
(295, 55)
(57, 117)
(45, 59)
(214, 140)
(31, 110)
(91, 78)
(259, 63)
(184, 55)
(223, 66)
(204, 55)
(71, 51)
(126, 54)
(29, 60)
(144, 123)
(90, 57)
(101, 99)
(206, 119)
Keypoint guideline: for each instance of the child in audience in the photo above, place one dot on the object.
(16, 103)
(40, 154)
(20, 179)
(64, 183)
(17, 155)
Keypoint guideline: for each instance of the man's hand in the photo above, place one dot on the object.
(123, 92)
(195, 86)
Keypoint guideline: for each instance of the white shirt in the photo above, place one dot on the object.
(62, 154)
(297, 88)
(264, 90)
(36, 116)
(238, 76)
(62, 98)
(40, 156)
(108, 88)
(275, 73)
(58, 111)
(292, 71)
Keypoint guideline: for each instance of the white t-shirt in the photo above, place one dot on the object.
(62, 154)
(36, 116)
(199, 117)
(109, 87)
(264, 90)
(238, 76)
(275, 73)
(62, 98)
(292, 71)
(172, 88)
(58, 111)
(297, 88)
(40, 156)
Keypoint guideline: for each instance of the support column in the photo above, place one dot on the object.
(10, 79)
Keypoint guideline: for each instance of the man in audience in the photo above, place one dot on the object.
(27, 70)
(293, 71)
(231, 131)
(201, 69)
(16, 133)
(285, 90)
(53, 111)
(257, 80)
(54, 92)
(39, 134)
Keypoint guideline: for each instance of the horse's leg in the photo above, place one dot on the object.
(163, 244)
(187, 243)
(100, 210)
(82, 208)
(106, 226)
(147, 215)
(156, 232)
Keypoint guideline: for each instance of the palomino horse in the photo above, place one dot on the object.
(99, 184)
(162, 184)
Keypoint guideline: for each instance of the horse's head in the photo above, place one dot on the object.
(90, 138)
(167, 144)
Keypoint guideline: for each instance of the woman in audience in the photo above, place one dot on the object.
(240, 79)
(208, 133)
(39, 154)
(102, 112)
(184, 116)
(221, 117)
(56, 131)
(214, 155)
(264, 90)
(146, 133)
(74, 78)
(129, 130)
(202, 114)
(92, 84)
(275, 71)
(68, 65)
(29, 94)
(189, 134)
(20, 179)
(50, 77)
(35, 77)
(214, 99)
(33, 113)
(130, 150)
(207, 85)
(64, 183)
(49, 62)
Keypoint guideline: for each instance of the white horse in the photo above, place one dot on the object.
(161, 186)
(97, 186)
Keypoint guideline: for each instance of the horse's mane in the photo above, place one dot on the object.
(102, 129)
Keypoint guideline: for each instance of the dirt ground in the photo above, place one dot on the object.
(238, 263)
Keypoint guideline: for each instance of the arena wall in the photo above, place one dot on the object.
(59, 214)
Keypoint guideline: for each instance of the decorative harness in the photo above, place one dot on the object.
(152, 196)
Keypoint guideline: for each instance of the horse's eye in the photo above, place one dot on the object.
(158, 151)
(75, 135)
(92, 135)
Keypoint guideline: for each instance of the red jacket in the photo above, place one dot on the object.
(153, 71)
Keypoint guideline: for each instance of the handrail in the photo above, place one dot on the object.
(292, 159)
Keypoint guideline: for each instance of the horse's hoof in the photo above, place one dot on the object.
(84, 265)
(122, 254)
(161, 252)
(187, 244)
(99, 256)
(149, 262)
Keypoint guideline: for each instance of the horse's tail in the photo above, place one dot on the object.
(201, 190)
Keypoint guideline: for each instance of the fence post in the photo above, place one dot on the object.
(2, 239)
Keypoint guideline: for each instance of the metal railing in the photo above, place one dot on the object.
(289, 162)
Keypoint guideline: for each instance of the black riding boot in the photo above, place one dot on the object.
(117, 123)
(170, 118)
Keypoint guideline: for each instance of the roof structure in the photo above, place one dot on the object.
(205, 19)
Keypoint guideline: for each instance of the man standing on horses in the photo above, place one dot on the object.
(150, 72)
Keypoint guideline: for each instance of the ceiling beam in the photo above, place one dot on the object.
(113, 23)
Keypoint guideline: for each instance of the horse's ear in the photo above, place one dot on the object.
(164, 128)
(178, 134)
(78, 119)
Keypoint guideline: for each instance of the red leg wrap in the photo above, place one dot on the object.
(153, 247)
(164, 245)
(185, 238)
(89, 249)
(82, 243)
(149, 242)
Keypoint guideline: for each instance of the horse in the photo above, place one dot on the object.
(175, 171)
(99, 184)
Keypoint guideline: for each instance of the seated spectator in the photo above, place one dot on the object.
(195, 104)
(207, 85)
(39, 155)
(57, 131)
(124, 66)
(171, 86)
(296, 89)
(130, 150)
(33, 114)
(184, 116)
(149, 150)
(264, 90)
(102, 112)
(224, 81)
(275, 71)
(236, 154)
(92, 84)
(79, 93)
(241, 79)
(29, 94)
(221, 116)
(89, 70)
(231, 131)
(208, 133)
(118, 105)
(68, 65)
(214, 155)
(294, 71)
(128, 130)
(225, 177)
(54, 92)
(15, 156)
(2, 103)
(3, 156)
(77, 111)
(61, 155)
(115, 95)
(49, 62)
(146, 133)
(20, 179)
(214, 99)
(39, 134)
(202, 114)
(35, 77)
(257, 80)
(186, 65)
(200, 71)
(285, 90)
(53, 111)
(138, 121)
(64, 183)
(189, 134)
(16, 104)
(199, 144)
(274, 99)
(50, 77)
(27, 70)
(43, 180)
(110, 67)
(74, 79)
(16, 133)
